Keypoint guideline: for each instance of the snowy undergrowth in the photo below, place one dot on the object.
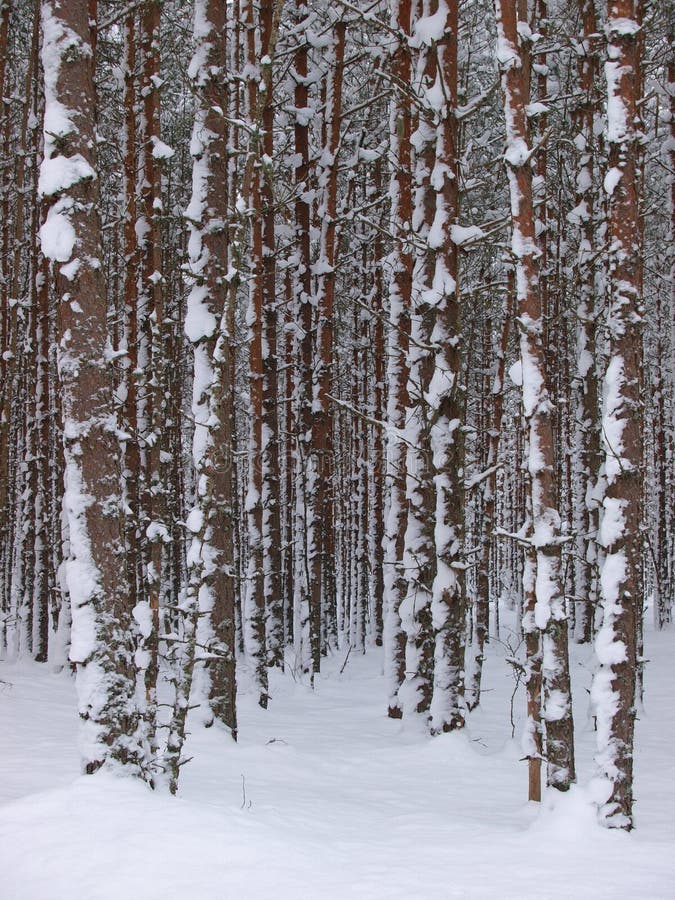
(324, 797)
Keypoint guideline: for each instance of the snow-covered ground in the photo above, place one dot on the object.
(324, 797)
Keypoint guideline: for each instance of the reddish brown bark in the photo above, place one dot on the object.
(620, 532)
(106, 682)
(549, 612)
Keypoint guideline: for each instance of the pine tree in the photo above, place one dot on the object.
(613, 689)
(208, 612)
(548, 614)
(71, 239)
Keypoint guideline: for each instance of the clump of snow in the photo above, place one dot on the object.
(57, 235)
(59, 173)
(611, 180)
(160, 150)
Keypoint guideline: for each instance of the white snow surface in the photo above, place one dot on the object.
(324, 797)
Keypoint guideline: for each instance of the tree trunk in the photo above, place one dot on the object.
(446, 402)
(255, 576)
(549, 610)
(613, 689)
(71, 239)
(209, 607)
(400, 288)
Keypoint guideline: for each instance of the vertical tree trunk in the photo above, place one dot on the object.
(446, 402)
(132, 459)
(39, 595)
(488, 519)
(71, 239)
(209, 636)
(8, 312)
(420, 551)
(400, 288)
(308, 591)
(289, 481)
(614, 684)
(255, 576)
(532, 739)
(322, 574)
(152, 362)
(23, 295)
(587, 456)
(271, 475)
(378, 410)
(664, 451)
(549, 609)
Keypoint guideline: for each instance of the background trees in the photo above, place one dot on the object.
(392, 290)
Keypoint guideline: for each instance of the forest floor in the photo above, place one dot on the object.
(324, 797)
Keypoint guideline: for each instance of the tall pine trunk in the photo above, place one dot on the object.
(549, 613)
(613, 689)
(71, 239)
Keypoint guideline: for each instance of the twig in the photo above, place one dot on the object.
(344, 664)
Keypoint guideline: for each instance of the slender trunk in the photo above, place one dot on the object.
(587, 456)
(378, 410)
(255, 576)
(549, 611)
(447, 404)
(400, 289)
(308, 590)
(614, 685)
(271, 474)
(132, 460)
(488, 518)
(322, 575)
(151, 303)
(420, 551)
(208, 624)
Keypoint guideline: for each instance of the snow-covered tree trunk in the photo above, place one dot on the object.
(44, 582)
(587, 450)
(208, 614)
(488, 511)
(420, 552)
(377, 408)
(8, 355)
(513, 49)
(23, 416)
(359, 477)
(322, 425)
(39, 390)
(613, 691)
(151, 300)
(289, 549)
(255, 576)
(307, 601)
(271, 475)
(445, 392)
(532, 738)
(400, 288)
(130, 338)
(664, 449)
(71, 239)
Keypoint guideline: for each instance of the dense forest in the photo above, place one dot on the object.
(336, 326)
